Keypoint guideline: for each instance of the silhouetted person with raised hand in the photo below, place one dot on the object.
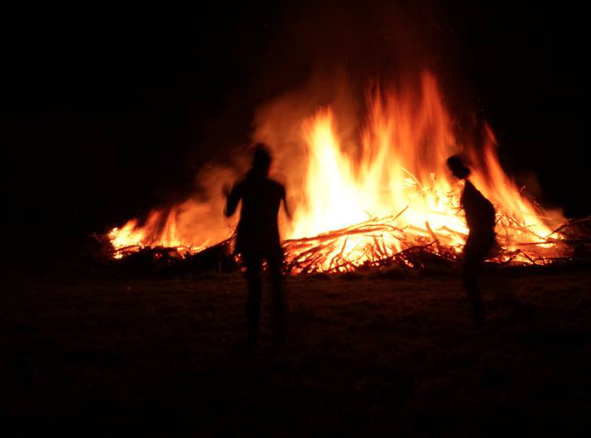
(258, 239)
(480, 218)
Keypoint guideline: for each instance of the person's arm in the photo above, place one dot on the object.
(286, 206)
(232, 199)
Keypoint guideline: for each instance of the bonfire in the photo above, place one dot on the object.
(378, 197)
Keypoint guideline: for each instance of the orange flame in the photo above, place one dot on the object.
(394, 174)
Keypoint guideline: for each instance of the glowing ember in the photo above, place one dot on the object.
(366, 200)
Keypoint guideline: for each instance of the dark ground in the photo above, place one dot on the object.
(90, 351)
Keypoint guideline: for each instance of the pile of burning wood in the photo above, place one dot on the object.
(376, 243)
(394, 163)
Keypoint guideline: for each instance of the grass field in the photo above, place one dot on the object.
(90, 351)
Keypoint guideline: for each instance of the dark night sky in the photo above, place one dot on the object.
(107, 111)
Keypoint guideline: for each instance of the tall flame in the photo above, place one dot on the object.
(394, 175)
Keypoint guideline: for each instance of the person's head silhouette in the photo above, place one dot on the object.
(458, 167)
(261, 160)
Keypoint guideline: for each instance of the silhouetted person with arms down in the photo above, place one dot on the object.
(258, 239)
(480, 218)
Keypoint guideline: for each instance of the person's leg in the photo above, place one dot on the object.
(279, 302)
(253, 302)
(471, 264)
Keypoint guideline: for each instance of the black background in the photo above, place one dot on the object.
(109, 110)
